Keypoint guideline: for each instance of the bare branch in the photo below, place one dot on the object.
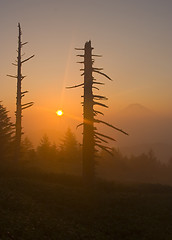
(27, 104)
(22, 77)
(79, 48)
(11, 76)
(102, 74)
(24, 43)
(98, 112)
(95, 55)
(98, 97)
(101, 139)
(98, 69)
(100, 104)
(76, 86)
(27, 59)
(96, 88)
(24, 92)
(109, 125)
(102, 135)
(100, 83)
(97, 141)
(105, 148)
(79, 125)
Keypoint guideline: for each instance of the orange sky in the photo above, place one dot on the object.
(133, 36)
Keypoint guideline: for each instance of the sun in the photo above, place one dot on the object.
(59, 112)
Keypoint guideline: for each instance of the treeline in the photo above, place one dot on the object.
(48, 157)
(66, 158)
(143, 168)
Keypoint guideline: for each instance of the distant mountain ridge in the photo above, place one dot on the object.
(147, 130)
(137, 107)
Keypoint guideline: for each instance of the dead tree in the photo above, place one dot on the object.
(20, 94)
(92, 138)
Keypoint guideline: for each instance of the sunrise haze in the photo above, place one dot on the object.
(133, 36)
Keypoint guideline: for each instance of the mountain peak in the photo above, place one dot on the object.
(137, 109)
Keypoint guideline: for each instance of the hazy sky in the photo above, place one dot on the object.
(134, 37)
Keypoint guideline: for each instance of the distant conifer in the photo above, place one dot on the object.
(6, 134)
(69, 144)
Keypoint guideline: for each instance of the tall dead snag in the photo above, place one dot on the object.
(92, 138)
(20, 94)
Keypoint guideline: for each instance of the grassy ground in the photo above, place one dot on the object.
(35, 206)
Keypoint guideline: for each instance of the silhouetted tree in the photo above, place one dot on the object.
(27, 150)
(46, 151)
(47, 155)
(44, 147)
(6, 134)
(20, 94)
(92, 138)
(70, 153)
(69, 145)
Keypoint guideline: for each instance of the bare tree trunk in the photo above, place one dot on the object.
(18, 100)
(92, 138)
(88, 128)
(19, 106)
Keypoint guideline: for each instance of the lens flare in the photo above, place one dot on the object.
(59, 113)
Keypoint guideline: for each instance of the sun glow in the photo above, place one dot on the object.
(59, 112)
